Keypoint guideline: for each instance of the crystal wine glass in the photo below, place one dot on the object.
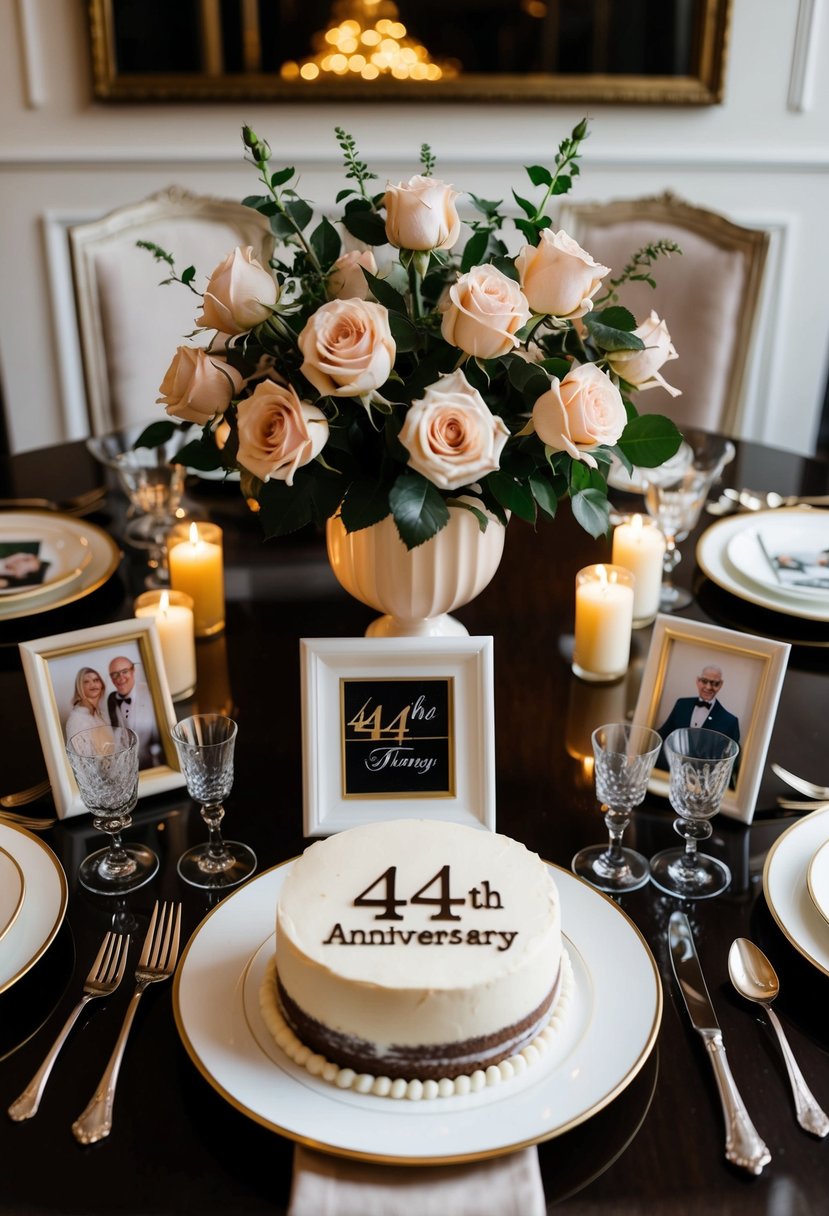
(700, 763)
(675, 502)
(205, 746)
(624, 758)
(155, 488)
(104, 760)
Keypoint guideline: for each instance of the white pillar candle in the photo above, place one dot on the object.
(604, 619)
(172, 612)
(639, 546)
(194, 554)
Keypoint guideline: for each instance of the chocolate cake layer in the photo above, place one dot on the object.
(424, 1062)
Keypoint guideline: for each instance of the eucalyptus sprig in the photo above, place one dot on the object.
(637, 269)
(161, 255)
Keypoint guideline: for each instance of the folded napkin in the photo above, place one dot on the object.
(331, 1186)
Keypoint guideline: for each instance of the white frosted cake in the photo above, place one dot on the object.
(416, 949)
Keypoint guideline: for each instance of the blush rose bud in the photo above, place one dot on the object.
(485, 311)
(580, 412)
(346, 280)
(421, 214)
(641, 367)
(241, 294)
(558, 277)
(197, 386)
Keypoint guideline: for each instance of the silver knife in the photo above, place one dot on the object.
(743, 1145)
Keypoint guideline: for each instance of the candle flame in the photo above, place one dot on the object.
(194, 534)
(602, 573)
(164, 602)
(636, 524)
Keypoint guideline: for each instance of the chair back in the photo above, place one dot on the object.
(128, 325)
(708, 296)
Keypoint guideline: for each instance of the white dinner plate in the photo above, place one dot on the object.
(713, 560)
(103, 562)
(787, 892)
(752, 550)
(63, 546)
(12, 890)
(606, 1038)
(41, 915)
(817, 880)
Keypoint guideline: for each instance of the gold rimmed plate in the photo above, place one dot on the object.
(606, 1039)
(787, 891)
(41, 915)
(12, 890)
(104, 558)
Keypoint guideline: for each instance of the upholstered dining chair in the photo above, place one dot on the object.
(128, 325)
(709, 296)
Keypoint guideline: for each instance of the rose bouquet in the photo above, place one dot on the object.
(388, 364)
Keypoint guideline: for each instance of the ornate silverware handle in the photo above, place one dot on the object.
(26, 1105)
(96, 1120)
(809, 1115)
(743, 1145)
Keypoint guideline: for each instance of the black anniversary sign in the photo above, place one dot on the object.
(397, 738)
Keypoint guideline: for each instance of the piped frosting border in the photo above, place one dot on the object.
(414, 1090)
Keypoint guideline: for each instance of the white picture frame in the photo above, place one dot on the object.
(751, 673)
(453, 674)
(52, 665)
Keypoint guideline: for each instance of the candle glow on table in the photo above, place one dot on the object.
(604, 620)
(172, 612)
(195, 560)
(639, 546)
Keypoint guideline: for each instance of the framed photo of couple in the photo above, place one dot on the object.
(108, 675)
(700, 675)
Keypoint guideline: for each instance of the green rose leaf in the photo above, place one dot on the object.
(539, 176)
(592, 511)
(483, 521)
(325, 242)
(300, 213)
(366, 503)
(544, 495)
(281, 177)
(610, 337)
(616, 317)
(156, 433)
(367, 226)
(649, 440)
(385, 294)
(404, 333)
(284, 508)
(476, 247)
(418, 508)
(200, 454)
(512, 495)
(507, 266)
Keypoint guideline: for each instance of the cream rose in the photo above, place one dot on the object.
(240, 294)
(346, 280)
(422, 214)
(198, 385)
(485, 311)
(580, 412)
(278, 433)
(641, 367)
(558, 277)
(347, 348)
(451, 435)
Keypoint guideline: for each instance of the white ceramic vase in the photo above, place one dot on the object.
(416, 589)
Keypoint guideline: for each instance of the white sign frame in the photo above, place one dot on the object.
(677, 645)
(105, 641)
(467, 661)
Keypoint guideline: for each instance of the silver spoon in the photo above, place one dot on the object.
(754, 978)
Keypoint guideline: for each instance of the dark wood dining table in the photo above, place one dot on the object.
(177, 1145)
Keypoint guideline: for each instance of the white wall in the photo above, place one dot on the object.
(761, 157)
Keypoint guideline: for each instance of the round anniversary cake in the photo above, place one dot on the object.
(416, 958)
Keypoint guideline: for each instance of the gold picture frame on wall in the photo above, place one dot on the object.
(201, 50)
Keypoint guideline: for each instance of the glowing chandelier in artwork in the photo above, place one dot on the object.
(366, 40)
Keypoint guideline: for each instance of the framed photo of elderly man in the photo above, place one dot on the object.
(700, 675)
(108, 675)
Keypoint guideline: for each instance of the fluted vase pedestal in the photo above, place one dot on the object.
(416, 589)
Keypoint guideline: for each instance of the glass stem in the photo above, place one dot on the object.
(616, 821)
(213, 814)
(671, 560)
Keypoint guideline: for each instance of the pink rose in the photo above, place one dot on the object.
(558, 277)
(451, 435)
(346, 280)
(641, 367)
(198, 385)
(240, 294)
(580, 412)
(347, 348)
(422, 214)
(278, 433)
(485, 311)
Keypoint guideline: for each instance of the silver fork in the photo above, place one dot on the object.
(105, 975)
(800, 783)
(157, 962)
